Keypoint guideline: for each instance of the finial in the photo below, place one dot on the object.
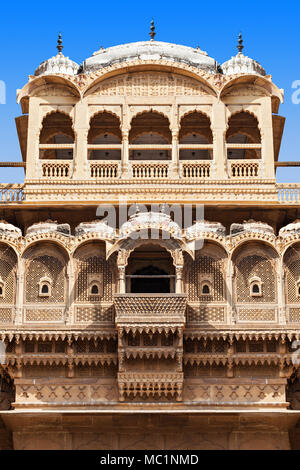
(152, 33)
(59, 44)
(240, 45)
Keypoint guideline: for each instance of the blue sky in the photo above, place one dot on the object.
(28, 33)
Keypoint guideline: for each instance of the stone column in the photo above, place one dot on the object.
(231, 315)
(33, 138)
(282, 314)
(218, 126)
(178, 287)
(125, 153)
(70, 313)
(19, 293)
(266, 130)
(175, 153)
(122, 280)
(81, 129)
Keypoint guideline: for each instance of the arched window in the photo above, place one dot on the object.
(195, 137)
(2, 288)
(150, 129)
(95, 289)
(255, 287)
(205, 289)
(243, 130)
(57, 132)
(95, 286)
(104, 137)
(45, 285)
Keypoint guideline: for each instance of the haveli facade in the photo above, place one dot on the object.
(117, 338)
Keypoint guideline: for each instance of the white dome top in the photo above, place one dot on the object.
(241, 64)
(57, 64)
(150, 50)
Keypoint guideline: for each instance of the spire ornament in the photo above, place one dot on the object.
(59, 44)
(152, 33)
(240, 44)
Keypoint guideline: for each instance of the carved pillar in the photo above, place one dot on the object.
(125, 153)
(230, 275)
(19, 292)
(282, 314)
(70, 314)
(80, 157)
(122, 279)
(267, 139)
(175, 153)
(179, 272)
(218, 126)
(81, 129)
(33, 138)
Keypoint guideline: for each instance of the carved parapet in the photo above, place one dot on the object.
(150, 385)
(150, 309)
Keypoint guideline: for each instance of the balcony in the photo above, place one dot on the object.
(56, 169)
(244, 168)
(196, 169)
(104, 169)
(150, 309)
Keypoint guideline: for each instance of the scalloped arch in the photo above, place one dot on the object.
(236, 250)
(151, 66)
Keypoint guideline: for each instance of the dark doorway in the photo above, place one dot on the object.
(150, 282)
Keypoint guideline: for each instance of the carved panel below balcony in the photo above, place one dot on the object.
(154, 385)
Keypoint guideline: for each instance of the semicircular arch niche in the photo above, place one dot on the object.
(8, 268)
(150, 83)
(45, 261)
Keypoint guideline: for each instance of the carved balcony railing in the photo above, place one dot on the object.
(150, 384)
(12, 193)
(56, 169)
(196, 169)
(244, 168)
(104, 169)
(149, 170)
(150, 309)
(289, 193)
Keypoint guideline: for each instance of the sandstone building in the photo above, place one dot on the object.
(182, 340)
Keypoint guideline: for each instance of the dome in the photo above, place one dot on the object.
(48, 227)
(150, 220)
(58, 63)
(251, 226)
(9, 230)
(150, 50)
(290, 229)
(241, 64)
(204, 226)
(97, 226)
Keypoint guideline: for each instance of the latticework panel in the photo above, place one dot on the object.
(44, 315)
(5, 315)
(293, 277)
(251, 314)
(86, 268)
(205, 314)
(294, 315)
(94, 314)
(45, 266)
(202, 269)
(255, 266)
(8, 264)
